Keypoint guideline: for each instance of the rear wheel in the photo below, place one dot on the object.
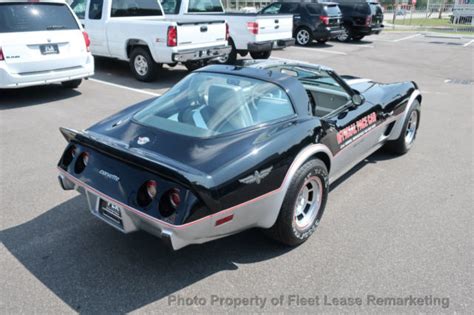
(261, 54)
(408, 135)
(303, 36)
(142, 65)
(345, 36)
(73, 84)
(303, 205)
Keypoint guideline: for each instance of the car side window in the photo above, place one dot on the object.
(272, 9)
(290, 8)
(313, 9)
(79, 8)
(124, 8)
(95, 9)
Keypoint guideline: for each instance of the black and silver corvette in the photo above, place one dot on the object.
(234, 147)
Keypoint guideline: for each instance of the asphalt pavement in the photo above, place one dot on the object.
(396, 236)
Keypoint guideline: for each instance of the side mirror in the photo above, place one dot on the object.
(357, 99)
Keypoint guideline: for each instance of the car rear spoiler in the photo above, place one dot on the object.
(152, 162)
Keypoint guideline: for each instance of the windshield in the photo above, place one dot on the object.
(34, 17)
(209, 104)
(375, 8)
(197, 6)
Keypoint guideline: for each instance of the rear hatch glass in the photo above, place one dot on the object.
(34, 17)
(332, 10)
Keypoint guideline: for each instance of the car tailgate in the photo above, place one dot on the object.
(274, 27)
(42, 51)
(201, 33)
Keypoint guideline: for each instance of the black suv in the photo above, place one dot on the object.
(361, 18)
(319, 21)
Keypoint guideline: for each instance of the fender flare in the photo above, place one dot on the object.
(397, 128)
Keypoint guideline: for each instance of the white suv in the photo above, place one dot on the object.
(42, 42)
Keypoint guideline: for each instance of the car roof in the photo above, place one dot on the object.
(291, 85)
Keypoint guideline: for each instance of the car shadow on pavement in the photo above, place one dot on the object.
(96, 269)
(37, 95)
(118, 72)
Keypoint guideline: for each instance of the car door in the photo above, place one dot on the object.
(295, 10)
(350, 131)
(92, 16)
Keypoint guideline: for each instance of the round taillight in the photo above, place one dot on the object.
(151, 188)
(169, 202)
(146, 193)
(175, 198)
(69, 155)
(81, 162)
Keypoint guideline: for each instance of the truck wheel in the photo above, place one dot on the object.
(303, 205)
(73, 84)
(231, 58)
(408, 135)
(142, 65)
(261, 54)
(303, 36)
(194, 65)
(345, 36)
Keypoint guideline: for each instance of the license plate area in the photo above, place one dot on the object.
(49, 49)
(111, 212)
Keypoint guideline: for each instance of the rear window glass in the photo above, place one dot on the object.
(209, 104)
(171, 6)
(196, 6)
(332, 10)
(362, 8)
(123, 8)
(33, 17)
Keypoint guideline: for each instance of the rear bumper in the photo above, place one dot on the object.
(12, 80)
(327, 32)
(201, 53)
(367, 30)
(269, 45)
(260, 212)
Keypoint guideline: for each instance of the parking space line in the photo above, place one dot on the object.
(124, 87)
(405, 38)
(468, 43)
(334, 52)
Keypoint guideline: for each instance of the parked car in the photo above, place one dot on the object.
(138, 32)
(361, 18)
(42, 42)
(319, 21)
(230, 148)
(252, 33)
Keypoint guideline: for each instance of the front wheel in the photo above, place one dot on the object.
(142, 65)
(408, 134)
(73, 84)
(303, 205)
(260, 54)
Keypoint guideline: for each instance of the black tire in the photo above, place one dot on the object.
(194, 65)
(286, 229)
(303, 36)
(322, 40)
(261, 54)
(73, 84)
(345, 36)
(404, 143)
(358, 38)
(142, 65)
(232, 57)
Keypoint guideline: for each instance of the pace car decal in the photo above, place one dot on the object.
(356, 130)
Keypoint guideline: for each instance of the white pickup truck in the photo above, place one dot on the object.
(252, 33)
(137, 31)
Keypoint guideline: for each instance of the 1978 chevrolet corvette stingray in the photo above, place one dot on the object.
(234, 147)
